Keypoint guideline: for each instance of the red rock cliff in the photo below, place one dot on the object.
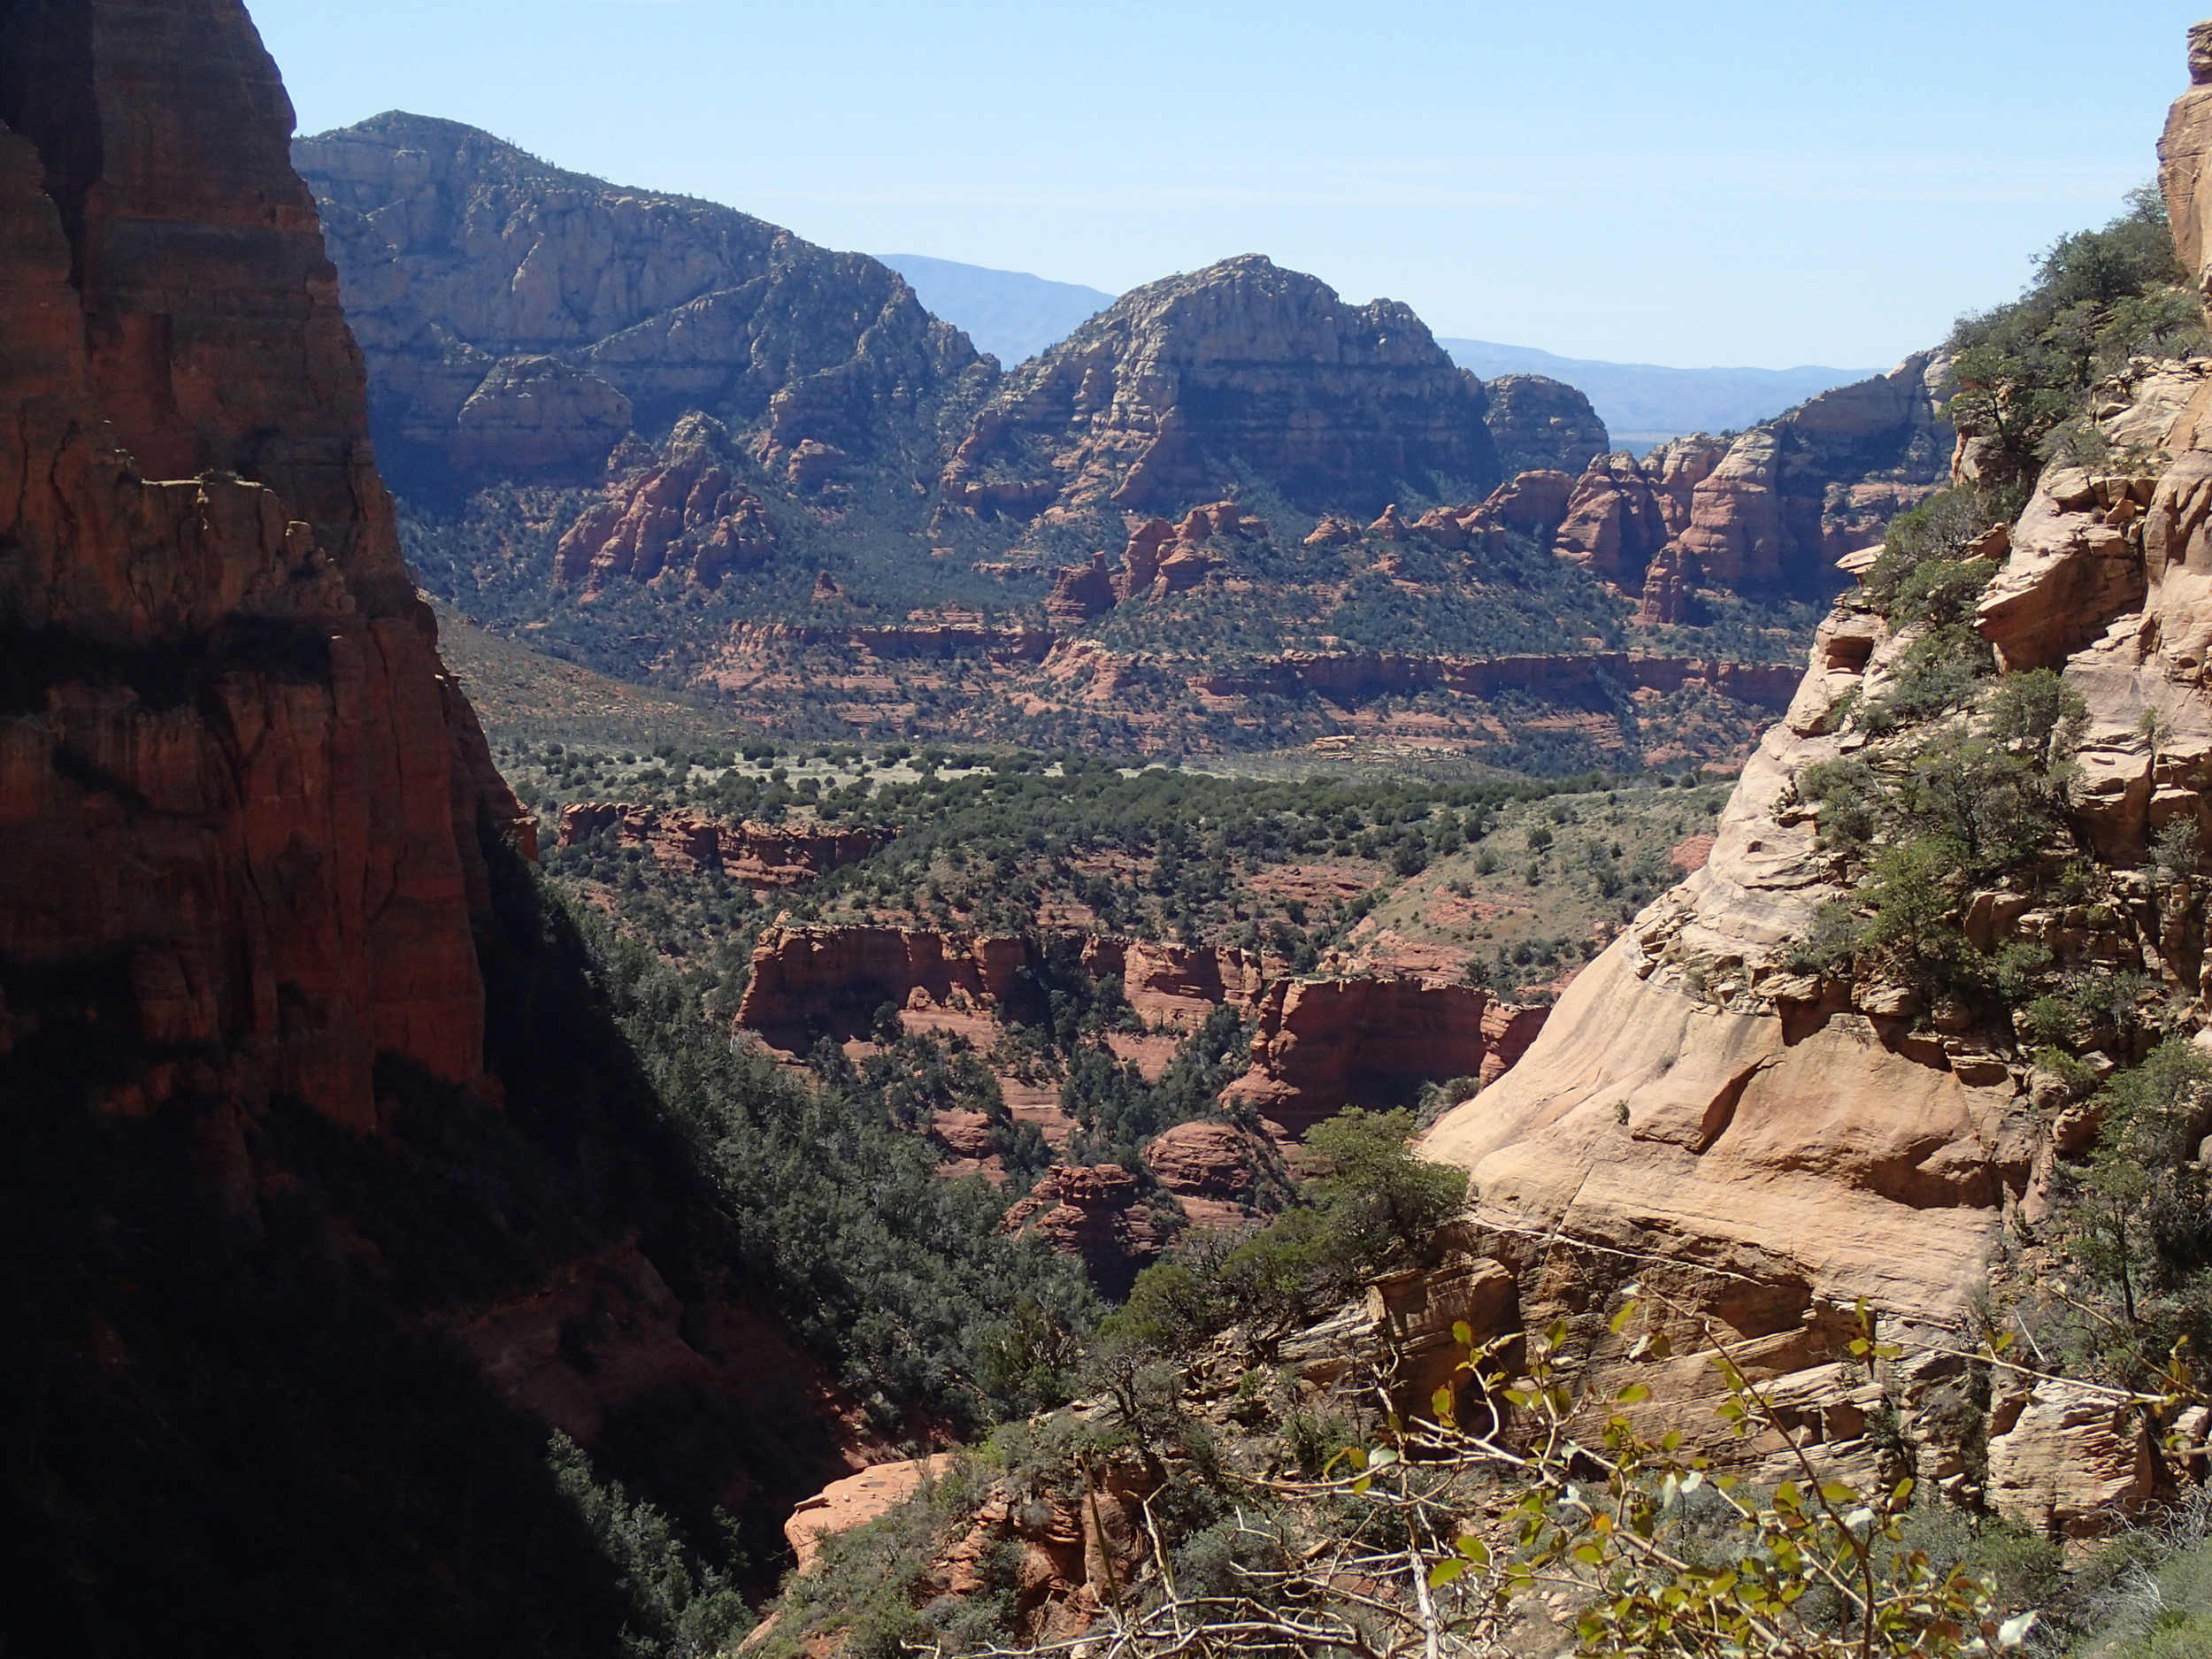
(238, 790)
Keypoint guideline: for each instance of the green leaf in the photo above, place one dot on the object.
(1474, 1550)
(1590, 1556)
(1622, 1315)
(1556, 1337)
(1444, 1570)
(1462, 1333)
(1440, 1402)
(1838, 1491)
(1635, 1394)
(1786, 1496)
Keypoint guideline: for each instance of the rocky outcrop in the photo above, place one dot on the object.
(511, 310)
(1095, 1213)
(856, 1500)
(811, 981)
(1176, 987)
(1541, 425)
(235, 776)
(1758, 1146)
(2183, 175)
(1161, 558)
(686, 510)
(1148, 405)
(1218, 1172)
(1771, 510)
(762, 856)
(1325, 1044)
(1623, 511)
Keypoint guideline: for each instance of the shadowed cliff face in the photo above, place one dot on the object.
(238, 780)
(282, 1255)
(1150, 404)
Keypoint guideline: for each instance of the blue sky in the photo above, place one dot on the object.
(1736, 184)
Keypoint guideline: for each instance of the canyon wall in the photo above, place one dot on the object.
(295, 1075)
(241, 793)
(1770, 509)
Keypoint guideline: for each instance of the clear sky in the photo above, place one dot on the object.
(1731, 183)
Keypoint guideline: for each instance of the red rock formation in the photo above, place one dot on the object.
(1161, 558)
(756, 854)
(1215, 1171)
(232, 759)
(1095, 1214)
(1176, 986)
(2182, 174)
(686, 509)
(856, 1500)
(1081, 593)
(1325, 1044)
(806, 980)
(1153, 402)
(1772, 508)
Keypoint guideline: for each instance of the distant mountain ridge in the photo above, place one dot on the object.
(1643, 403)
(1016, 316)
(1010, 314)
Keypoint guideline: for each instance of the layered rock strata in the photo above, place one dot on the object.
(1148, 405)
(1325, 1043)
(1771, 510)
(761, 855)
(516, 316)
(235, 776)
(1097, 1214)
(1542, 425)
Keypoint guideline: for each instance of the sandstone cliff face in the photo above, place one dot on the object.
(1758, 1145)
(2182, 174)
(516, 316)
(1772, 510)
(234, 770)
(1324, 1044)
(1145, 406)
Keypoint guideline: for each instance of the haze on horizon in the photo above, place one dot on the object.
(1729, 186)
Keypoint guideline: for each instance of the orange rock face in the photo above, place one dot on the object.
(811, 981)
(2183, 151)
(1214, 1170)
(1325, 1044)
(757, 855)
(230, 757)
